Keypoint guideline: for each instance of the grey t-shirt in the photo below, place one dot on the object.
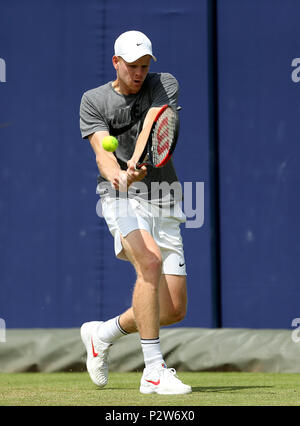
(122, 116)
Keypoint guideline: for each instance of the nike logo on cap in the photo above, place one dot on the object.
(138, 44)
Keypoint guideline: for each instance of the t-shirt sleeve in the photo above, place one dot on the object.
(91, 120)
(165, 91)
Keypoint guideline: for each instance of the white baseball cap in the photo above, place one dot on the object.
(132, 45)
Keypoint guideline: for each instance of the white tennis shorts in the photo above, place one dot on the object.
(124, 215)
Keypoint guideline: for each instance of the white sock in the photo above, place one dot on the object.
(152, 352)
(110, 330)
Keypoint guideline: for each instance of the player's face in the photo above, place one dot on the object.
(131, 76)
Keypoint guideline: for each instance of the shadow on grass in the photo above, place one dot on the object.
(195, 389)
(225, 388)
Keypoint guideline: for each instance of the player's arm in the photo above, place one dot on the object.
(142, 139)
(106, 161)
(108, 165)
(164, 92)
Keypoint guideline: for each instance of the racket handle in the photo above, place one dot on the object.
(138, 166)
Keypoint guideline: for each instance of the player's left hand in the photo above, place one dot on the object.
(124, 178)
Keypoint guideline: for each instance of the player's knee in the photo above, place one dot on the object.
(152, 265)
(150, 268)
(178, 313)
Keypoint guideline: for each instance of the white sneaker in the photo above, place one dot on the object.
(97, 353)
(162, 380)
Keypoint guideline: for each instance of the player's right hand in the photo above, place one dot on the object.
(134, 174)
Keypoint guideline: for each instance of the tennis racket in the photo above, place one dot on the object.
(162, 139)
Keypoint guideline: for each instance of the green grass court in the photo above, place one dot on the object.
(212, 389)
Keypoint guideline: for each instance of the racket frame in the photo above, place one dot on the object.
(147, 153)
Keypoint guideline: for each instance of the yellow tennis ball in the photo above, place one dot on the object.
(110, 143)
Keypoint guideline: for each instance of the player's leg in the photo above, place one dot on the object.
(142, 251)
(129, 229)
(147, 262)
(172, 299)
(172, 296)
(172, 303)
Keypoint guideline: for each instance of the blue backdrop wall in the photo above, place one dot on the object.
(57, 266)
(259, 172)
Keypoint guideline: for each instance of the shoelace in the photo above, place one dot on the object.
(105, 352)
(172, 374)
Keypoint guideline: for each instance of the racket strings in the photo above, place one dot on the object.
(163, 135)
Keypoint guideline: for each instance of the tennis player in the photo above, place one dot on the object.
(149, 238)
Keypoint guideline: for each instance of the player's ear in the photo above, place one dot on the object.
(115, 61)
